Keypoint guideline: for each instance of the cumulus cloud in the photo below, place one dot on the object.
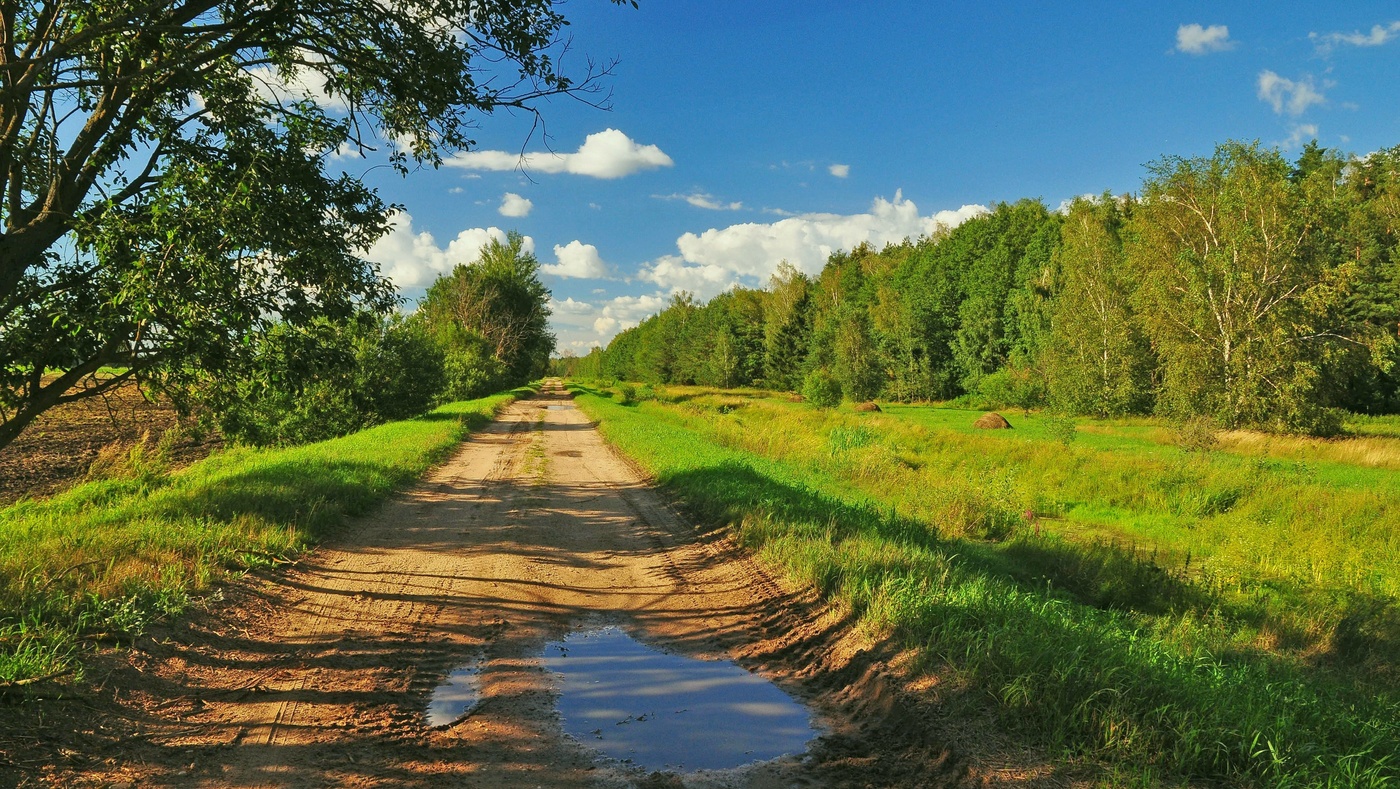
(605, 154)
(750, 252)
(839, 170)
(1194, 39)
(1286, 95)
(577, 260)
(581, 324)
(703, 200)
(514, 205)
(412, 259)
(1301, 133)
(1379, 34)
(297, 85)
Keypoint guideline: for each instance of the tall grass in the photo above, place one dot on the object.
(104, 559)
(1245, 638)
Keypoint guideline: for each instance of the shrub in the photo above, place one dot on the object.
(1060, 428)
(627, 394)
(821, 389)
(328, 379)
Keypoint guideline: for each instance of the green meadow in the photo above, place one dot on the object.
(1166, 606)
(98, 563)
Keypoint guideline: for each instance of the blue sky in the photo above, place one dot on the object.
(742, 134)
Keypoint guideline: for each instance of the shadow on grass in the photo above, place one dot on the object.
(1070, 675)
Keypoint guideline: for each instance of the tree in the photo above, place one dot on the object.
(1098, 360)
(1234, 293)
(494, 308)
(787, 327)
(166, 174)
(326, 379)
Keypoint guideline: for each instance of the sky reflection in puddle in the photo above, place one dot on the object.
(456, 696)
(663, 711)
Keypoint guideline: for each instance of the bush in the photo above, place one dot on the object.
(328, 379)
(821, 389)
(1018, 387)
(1197, 434)
(627, 394)
(1060, 428)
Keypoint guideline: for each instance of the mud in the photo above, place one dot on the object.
(321, 674)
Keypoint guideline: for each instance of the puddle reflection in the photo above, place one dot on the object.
(456, 696)
(663, 711)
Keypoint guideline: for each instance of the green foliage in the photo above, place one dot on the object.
(1098, 361)
(1012, 387)
(324, 380)
(162, 208)
(1235, 287)
(1060, 429)
(490, 317)
(821, 389)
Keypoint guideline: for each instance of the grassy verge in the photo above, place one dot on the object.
(1245, 638)
(100, 561)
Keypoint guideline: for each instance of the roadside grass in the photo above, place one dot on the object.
(103, 560)
(1174, 615)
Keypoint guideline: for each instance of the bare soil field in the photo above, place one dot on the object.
(319, 674)
(59, 448)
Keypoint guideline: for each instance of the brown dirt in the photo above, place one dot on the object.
(57, 450)
(318, 675)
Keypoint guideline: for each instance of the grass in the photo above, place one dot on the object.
(1179, 616)
(102, 560)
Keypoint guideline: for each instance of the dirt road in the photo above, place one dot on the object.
(319, 675)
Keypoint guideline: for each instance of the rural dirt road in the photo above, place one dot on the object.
(319, 674)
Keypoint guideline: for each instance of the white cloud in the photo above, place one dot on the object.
(581, 324)
(456, 190)
(1285, 95)
(577, 260)
(1301, 133)
(703, 200)
(839, 170)
(605, 154)
(716, 259)
(1380, 34)
(514, 205)
(412, 259)
(1196, 40)
(301, 83)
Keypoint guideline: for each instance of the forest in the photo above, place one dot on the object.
(1239, 288)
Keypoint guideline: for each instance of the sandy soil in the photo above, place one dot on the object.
(57, 451)
(319, 675)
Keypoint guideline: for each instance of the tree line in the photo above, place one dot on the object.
(1239, 287)
(480, 329)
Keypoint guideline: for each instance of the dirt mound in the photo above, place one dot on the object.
(992, 421)
(868, 407)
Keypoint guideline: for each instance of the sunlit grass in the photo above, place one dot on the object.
(102, 560)
(1225, 615)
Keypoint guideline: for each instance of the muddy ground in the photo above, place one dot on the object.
(57, 451)
(319, 674)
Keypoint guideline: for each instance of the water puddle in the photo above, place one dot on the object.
(558, 408)
(456, 696)
(668, 712)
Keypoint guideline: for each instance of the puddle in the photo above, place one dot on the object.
(456, 696)
(558, 408)
(668, 712)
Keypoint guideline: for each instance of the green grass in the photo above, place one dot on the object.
(1185, 616)
(102, 560)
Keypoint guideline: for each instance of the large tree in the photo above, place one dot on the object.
(166, 165)
(1235, 291)
(494, 304)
